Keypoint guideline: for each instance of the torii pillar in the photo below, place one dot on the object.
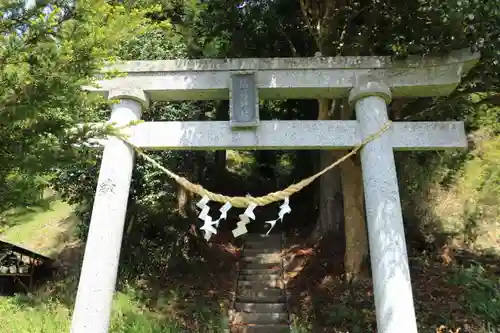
(92, 309)
(386, 235)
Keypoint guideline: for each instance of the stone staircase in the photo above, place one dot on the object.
(260, 300)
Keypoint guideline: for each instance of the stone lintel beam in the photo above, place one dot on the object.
(293, 134)
(289, 78)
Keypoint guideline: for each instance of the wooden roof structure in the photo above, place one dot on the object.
(10, 247)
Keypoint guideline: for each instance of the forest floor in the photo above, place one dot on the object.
(454, 291)
(195, 301)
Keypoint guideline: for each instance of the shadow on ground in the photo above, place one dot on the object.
(454, 290)
(24, 213)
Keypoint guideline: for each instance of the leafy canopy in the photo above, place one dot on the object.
(47, 52)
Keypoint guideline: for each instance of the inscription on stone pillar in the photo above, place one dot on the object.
(244, 101)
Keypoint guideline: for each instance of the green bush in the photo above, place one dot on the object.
(482, 296)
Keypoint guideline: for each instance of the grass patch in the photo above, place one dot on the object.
(17, 316)
(141, 305)
(31, 314)
(49, 309)
(42, 227)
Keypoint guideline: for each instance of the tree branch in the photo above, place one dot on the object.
(282, 30)
(309, 26)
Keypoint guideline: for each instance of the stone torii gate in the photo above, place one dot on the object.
(369, 82)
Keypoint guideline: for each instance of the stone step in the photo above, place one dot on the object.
(263, 258)
(263, 296)
(261, 248)
(259, 277)
(260, 307)
(254, 237)
(263, 241)
(260, 318)
(266, 245)
(254, 252)
(260, 289)
(261, 329)
(258, 265)
(261, 271)
(278, 283)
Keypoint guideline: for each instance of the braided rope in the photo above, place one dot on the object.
(243, 202)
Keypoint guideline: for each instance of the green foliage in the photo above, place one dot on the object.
(482, 296)
(48, 317)
(299, 325)
(457, 192)
(129, 316)
(26, 188)
(155, 230)
(156, 44)
(481, 172)
(480, 185)
(343, 315)
(47, 52)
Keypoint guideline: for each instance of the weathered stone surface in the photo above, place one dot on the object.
(295, 78)
(102, 251)
(262, 329)
(260, 289)
(259, 237)
(261, 265)
(260, 318)
(260, 307)
(288, 134)
(262, 297)
(260, 293)
(389, 260)
(259, 284)
(129, 93)
(426, 135)
(263, 247)
(261, 271)
(259, 277)
(264, 243)
(254, 252)
(244, 101)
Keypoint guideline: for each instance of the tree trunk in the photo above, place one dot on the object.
(356, 247)
(266, 161)
(332, 38)
(330, 189)
(330, 203)
(221, 113)
(220, 163)
(356, 237)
